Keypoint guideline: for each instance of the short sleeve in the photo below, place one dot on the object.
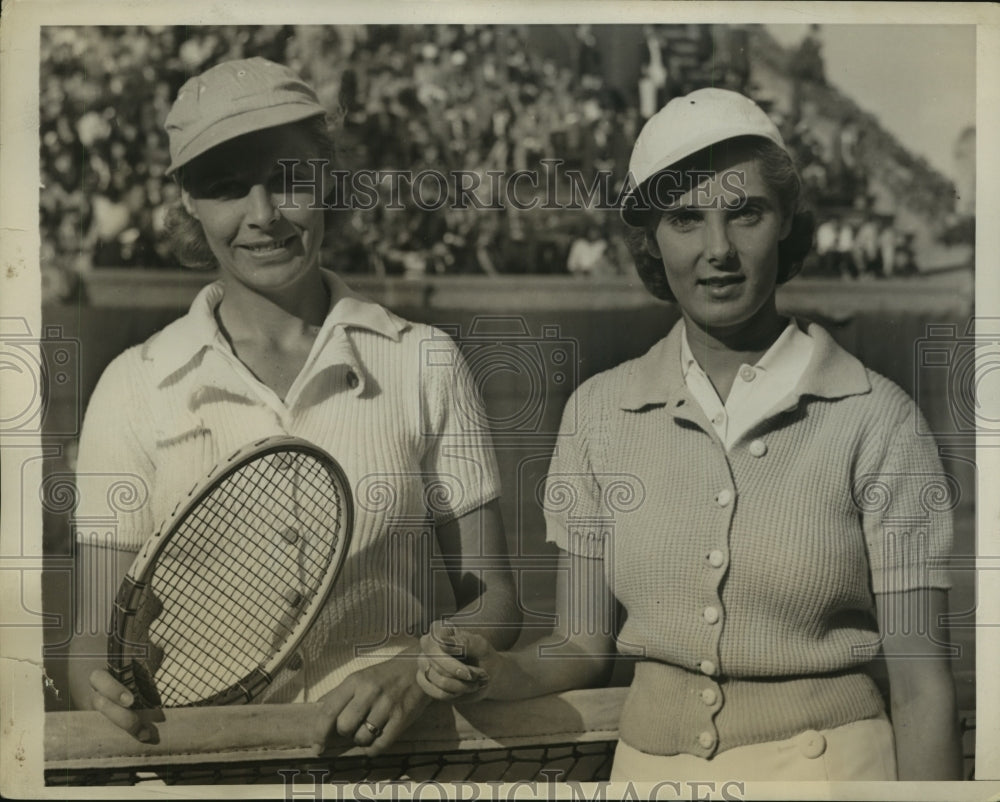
(906, 506)
(576, 518)
(114, 474)
(459, 464)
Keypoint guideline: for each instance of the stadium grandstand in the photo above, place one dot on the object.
(473, 98)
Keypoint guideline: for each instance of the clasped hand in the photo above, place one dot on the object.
(456, 664)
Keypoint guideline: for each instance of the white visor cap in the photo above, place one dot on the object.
(683, 127)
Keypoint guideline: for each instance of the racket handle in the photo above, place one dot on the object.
(133, 663)
(134, 677)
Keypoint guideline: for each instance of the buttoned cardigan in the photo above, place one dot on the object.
(391, 400)
(748, 577)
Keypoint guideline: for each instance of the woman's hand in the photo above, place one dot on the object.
(455, 664)
(113, 700)
(375, 705)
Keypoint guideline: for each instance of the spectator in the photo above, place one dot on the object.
(887, 247)
(826, 245)
(807, 63)
(867, 258)
(451, 97)
(845, 250)
(905, 261)
(588, 255)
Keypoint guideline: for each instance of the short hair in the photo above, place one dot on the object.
(184, 233)
(778, 172)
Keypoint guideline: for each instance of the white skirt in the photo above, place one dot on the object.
(861, 750)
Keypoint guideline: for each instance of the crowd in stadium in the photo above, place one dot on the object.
(448, 98)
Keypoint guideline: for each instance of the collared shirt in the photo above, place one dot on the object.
(390, 400)
(748, 575)
(756, 388)
(198, 332)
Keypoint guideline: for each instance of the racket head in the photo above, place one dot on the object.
(220, 597)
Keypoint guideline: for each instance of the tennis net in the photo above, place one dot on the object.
(568, 736)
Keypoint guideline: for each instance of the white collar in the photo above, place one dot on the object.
(175, 346)
(792, 348)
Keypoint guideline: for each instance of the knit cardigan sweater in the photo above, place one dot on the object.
(748, 577)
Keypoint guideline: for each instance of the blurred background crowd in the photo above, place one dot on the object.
(474, 98)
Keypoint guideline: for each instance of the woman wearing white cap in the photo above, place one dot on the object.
(747, 492)
(280, 346)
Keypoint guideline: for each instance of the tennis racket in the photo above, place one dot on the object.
(220, 597)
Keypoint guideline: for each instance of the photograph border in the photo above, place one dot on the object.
(21, 751)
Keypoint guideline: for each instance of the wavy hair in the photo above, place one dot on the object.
(779, 173)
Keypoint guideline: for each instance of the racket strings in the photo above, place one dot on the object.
(246, 643)
(212, 519)
(278, 629)
(212, 639)
(314, 494)
(175, 569)
(176, 628)
(315, 481)
(240, 572)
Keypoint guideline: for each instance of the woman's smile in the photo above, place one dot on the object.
(270, 250)
(264, 232)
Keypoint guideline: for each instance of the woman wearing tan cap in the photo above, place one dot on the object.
(279, 345)
(746, 492)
